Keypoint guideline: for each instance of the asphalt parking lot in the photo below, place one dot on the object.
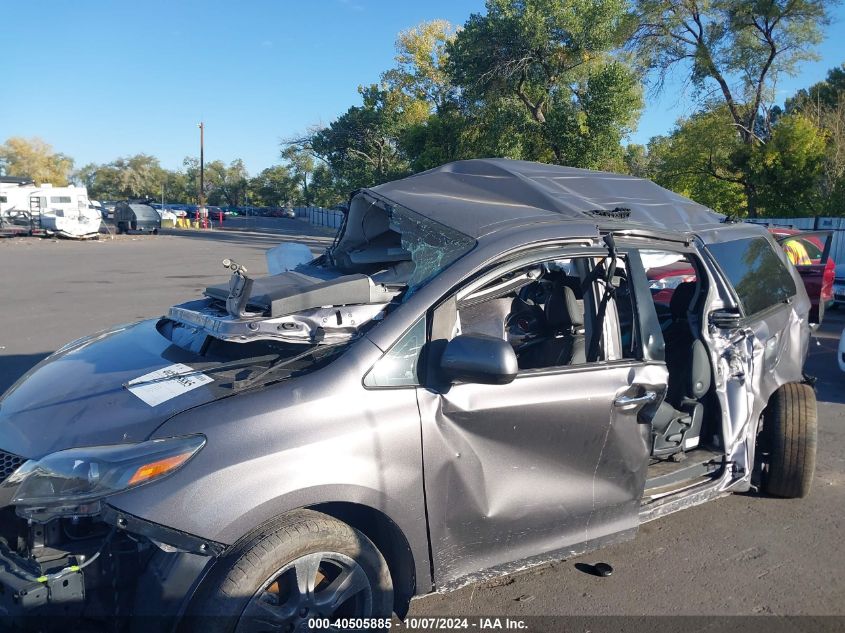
(740, 555)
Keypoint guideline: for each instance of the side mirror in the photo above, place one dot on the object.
(480, 359)
(725, 318)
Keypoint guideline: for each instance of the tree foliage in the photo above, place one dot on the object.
(273, 187)
(733, 50)
(787, 168)
(227, 184)
(35, 159)
(557, 60)
(700, 159)
(139, 176)
(422, 71)
(824, 104)
(361, 147)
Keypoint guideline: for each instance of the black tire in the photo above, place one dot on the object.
(239, 577)
(790, 429)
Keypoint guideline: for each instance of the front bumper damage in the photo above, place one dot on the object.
(111, 567)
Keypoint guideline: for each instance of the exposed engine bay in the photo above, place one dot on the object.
(381, 253)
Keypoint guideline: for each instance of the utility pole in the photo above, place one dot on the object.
(200, 198)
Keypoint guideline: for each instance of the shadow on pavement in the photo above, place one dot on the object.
(16, 365)
(821, 363)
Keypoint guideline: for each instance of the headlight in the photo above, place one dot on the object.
(65, 480)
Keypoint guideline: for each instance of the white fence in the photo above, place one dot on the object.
(318, 216)
(837, 225)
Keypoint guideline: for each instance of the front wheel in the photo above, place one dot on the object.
(307, 566)
(788, 441)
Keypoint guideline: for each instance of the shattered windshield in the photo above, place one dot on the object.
(432, 245)
(394, 245)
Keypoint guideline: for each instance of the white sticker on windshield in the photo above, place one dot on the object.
(167, 383)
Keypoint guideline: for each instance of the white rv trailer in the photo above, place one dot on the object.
(64, 211)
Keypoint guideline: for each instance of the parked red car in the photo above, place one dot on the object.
(807, 250)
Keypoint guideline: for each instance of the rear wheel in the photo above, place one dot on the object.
(788, 441)
(306, 566)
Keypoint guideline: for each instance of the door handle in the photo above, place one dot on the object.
(626, 401)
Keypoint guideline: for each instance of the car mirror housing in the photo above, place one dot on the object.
(478, 358)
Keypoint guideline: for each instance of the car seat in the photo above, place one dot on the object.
(564, 343)
(676, 425)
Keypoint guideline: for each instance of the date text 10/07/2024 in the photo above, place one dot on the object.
(421, 624)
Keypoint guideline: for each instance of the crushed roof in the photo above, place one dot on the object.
(478, 196)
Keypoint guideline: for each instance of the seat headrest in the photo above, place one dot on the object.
(562, 309)
(681, 299)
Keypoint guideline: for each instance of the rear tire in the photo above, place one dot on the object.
(260, 577)
(790, 430)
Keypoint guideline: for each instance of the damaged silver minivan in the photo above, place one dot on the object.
(495, 364)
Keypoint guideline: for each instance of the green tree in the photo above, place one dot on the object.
(636, 161)
(732, 48)
(824, 104)
(273, 187)
(361, 147)
(435, 141)
(704, 159)
(178, 188)
(191, 169)
(35, 159)
(786, 170)
(326, 191)
(824, 94)
(699, 159)
(300, 167)
(226, 183)
(421, 70)
(139, 176)
(557, 59)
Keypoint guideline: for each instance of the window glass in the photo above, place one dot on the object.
(3, 199)
(757, 274)
(399, 367)
(538, 309)
(626, 311)
(666, 271)
(804, 251)
(433, 246)
(60, 199)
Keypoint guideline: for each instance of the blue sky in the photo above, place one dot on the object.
(102, 79)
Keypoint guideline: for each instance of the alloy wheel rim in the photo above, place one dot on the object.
(319, 585)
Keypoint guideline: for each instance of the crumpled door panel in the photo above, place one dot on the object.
(539, 466)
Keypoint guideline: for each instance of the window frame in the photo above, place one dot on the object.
(611, 325)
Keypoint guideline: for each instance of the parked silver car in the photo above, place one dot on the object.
(476, 377)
